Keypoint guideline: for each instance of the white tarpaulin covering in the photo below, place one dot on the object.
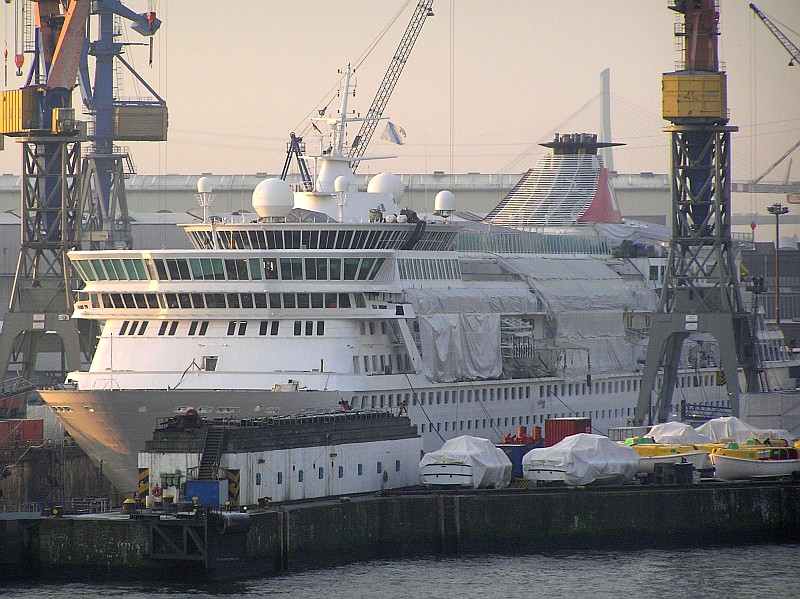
(490, 465)
(475, 300)
(676, 432)
(457, 347)
(581, 283)
(731, 427)
(585, 458)
(585, 302)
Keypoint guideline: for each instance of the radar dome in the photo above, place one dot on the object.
(341, 183)
(273, 198)
(445, 203)
(387, 183)
(204, 185)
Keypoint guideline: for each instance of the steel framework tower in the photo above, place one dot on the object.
(701, 289)
(55, 193)
(105, 165)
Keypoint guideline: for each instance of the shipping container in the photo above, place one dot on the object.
(556, 429)
(207, 492)
(515, 452)
(19, 111)
(20, 433)
(694, 96)
(140, 123)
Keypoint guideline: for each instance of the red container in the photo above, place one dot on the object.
(20, 433)
(10, 403)
(556, 429)
(6, 434)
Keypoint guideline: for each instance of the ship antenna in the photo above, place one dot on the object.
(204, 195)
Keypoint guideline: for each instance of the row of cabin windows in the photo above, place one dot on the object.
(307, 328)
(392, 400)
(381, 364)
(324, 269)
(321, 472)
(226, 300)
(466, 395)
(328, 240)
(462, 395)
(570, 389)
(627, 385)
(231, 269)
(197, 327)
(370, 328)
(426, 268)
(506, 422)
(133, 327)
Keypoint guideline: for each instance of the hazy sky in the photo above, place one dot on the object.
(239, 76)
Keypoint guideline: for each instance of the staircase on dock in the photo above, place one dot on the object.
(212, 453)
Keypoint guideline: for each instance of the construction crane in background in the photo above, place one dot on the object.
(361, 140)
(58, 186)
(792, 189)
(701, 292)
(791, 48)
(296, 146)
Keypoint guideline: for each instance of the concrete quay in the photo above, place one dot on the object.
(394, 525)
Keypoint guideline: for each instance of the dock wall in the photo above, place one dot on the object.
(50, 474)
(415, 524)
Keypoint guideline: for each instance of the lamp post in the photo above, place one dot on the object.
(777, 209)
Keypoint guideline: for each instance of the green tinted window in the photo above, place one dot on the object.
(350, 268)
(336, 269)
(112, 274)
(366, 265)
(255, 269)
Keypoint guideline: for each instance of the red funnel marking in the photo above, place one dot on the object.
(603, 208)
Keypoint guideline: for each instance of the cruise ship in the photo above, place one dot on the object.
(336, 297)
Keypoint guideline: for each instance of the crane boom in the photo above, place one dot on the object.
(362, 139)
(791, 48)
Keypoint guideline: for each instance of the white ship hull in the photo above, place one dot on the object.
(112, 426)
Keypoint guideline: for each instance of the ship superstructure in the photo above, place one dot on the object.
(335, 297)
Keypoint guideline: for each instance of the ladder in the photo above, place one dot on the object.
(758, 351)
(212, 453)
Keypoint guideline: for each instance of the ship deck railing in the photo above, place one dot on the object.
(287, 420)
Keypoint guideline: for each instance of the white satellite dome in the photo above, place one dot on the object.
(273, 198)
(341, 184)
(444, 203)
(387, 183)
(204, 185)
